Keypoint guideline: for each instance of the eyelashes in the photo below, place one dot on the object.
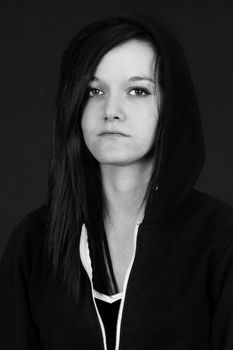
(133, 91)
(94, 92)
(139, 91)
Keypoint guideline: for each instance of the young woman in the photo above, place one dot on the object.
(126, 254)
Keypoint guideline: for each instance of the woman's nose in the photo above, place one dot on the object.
(114, 109)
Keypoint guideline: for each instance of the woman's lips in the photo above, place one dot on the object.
(113, 133)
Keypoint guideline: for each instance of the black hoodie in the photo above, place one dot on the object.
(179, 294)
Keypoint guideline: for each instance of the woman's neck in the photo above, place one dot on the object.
(124, 189)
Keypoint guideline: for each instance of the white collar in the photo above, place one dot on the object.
(86, 261)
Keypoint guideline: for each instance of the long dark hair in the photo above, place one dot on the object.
(75, 189)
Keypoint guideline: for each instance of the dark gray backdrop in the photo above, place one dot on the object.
(34, 34)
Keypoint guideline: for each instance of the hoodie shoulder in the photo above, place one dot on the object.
(20, 273)
(215, 208)
(216, 218)
(28, 236)
(37, 219)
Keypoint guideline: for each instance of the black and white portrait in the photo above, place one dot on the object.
(117, 167)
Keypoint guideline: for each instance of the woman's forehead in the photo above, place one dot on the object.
(134, 58)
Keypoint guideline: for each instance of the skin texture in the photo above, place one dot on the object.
(115, 106)
(120, 104)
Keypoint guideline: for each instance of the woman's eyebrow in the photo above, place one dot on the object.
(141, 78)
(134, 78)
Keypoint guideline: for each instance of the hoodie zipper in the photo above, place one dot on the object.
(100, 320)
(119, 318)
(93, 298)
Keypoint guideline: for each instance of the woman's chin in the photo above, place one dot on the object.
(114, 159)
(118, 160)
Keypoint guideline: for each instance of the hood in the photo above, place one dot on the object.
(182, 151)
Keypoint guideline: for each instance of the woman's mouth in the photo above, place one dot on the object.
(113, 133)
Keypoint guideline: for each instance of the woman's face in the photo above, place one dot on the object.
(120, 117)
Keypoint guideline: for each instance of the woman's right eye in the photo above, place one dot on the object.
(94, 92)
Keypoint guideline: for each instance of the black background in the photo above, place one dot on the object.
(33, 37)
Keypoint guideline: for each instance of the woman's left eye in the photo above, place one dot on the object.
(137, 91)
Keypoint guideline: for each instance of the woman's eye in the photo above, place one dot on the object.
(94, 92)
(136, 91)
